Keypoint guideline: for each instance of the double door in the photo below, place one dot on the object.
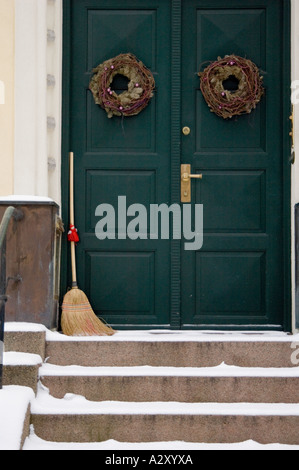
(238, 278)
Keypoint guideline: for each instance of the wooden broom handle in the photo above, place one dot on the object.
(72, 220)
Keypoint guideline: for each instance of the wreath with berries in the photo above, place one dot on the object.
(131, 101)
(227, 103)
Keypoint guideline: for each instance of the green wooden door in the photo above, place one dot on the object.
(237, 277)
(240, 276)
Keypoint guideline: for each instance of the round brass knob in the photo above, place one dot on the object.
(186, 130)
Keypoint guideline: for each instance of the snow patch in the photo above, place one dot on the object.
(180, 336)
(223, 370)
(25, 198)
(21, 359)
(14, 402)
(76, 404)
(15, 327)
(33, 442)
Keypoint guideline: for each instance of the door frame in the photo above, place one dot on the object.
(287, 167)
(175, 283)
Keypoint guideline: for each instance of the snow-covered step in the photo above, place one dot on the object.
(35, 443)
(21, 369)
(175, 349)
(14, 416)
(25, 337)
(75, 419)
(191, 385)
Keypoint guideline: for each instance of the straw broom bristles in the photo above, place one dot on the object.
(78, 318)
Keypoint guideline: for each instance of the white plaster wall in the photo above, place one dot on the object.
(54, 98)
(2, 92)
(30, 98)
(6, 96)
(38, 68)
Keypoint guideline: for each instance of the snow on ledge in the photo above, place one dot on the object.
(180, 336)
(33, 442)
(15, 327)
(159, 335)
(223, 370)
(26, 198)
(72, 404)
(21, 359)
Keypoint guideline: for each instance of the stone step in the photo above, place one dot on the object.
(25, 337)
(21, 369)
(155, 386)
(176, 349)
(147, 455)
(190, 385)
(75, 419)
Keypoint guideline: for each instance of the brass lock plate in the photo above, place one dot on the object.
(185, 183)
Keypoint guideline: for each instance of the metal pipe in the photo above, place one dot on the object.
(2, 304)
(3, 231)
(4, 224)
(2, 318)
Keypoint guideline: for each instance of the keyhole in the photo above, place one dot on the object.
(231, 83)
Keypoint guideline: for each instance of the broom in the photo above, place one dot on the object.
(78, 318)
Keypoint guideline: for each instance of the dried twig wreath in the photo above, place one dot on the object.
(228, 103)
(140, 87)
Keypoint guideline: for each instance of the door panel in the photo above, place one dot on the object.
(236, 280)
(234, 201)
(224, 296)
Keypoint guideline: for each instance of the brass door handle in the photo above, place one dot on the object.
(186, 177)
